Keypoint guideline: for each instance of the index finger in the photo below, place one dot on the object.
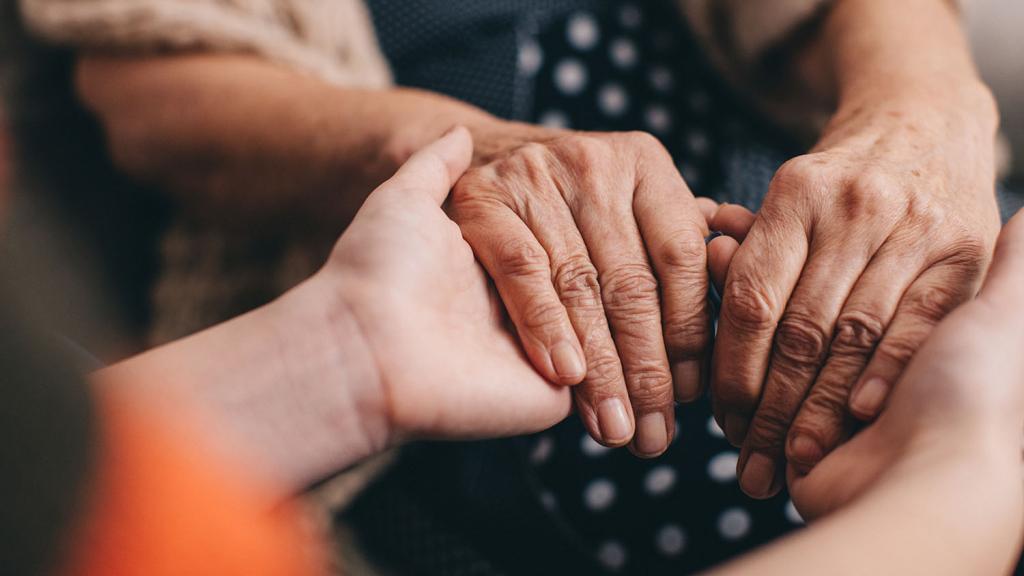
(761, 279)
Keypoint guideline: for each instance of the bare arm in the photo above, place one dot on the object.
(241, 140)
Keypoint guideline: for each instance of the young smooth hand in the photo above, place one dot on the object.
(448, 365)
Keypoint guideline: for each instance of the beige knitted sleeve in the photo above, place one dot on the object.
(332, 39)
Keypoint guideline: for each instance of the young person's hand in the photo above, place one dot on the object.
(447, 362)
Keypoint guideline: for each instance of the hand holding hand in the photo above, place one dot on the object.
(596, 246)
(960, 401)
(448, 366)
(860, 248)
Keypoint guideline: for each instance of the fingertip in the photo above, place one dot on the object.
(733, 220)
(568, 363)
(868, 398)
(720, 254)
(455, 147)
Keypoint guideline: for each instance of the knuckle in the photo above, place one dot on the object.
(869, 196)
(630, 289)
(857, 333)
(649, 387)
(604, 371)
(687, 334)
(798, 173)
(900, 348)
(683, 252)
(746, 307)
(518, 257)
(646, 143)
(930, 305)
(770, 425)
(968, 254)
(586, 150)
(800, 342)
(538, 315)
(577, 283)
(825, 403)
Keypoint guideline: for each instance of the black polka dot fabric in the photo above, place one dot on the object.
(631, 66)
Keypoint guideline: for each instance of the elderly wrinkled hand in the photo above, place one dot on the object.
(860, 248)
(596, 246)
(960, 401)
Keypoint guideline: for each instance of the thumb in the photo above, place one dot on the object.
(1004, 284)
(433, 170)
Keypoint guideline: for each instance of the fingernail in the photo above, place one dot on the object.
(567, 362)
(735, 429)
(867, 399)
(805, 452)
(651, 436)
(614, 422)
(450, 130)
(686, 376)
(758, 475)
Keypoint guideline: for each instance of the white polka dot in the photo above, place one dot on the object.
(623, 53)
(599, 494)
(612, 555)
(660, 78)
(699, 101)
(734, 523)
(722, 468)
(554, 119)
(582, 31)
(660, 480)
(591, 448)
(630, 16)
(613, 100)
(570, 77)
(792, 514)
(530, 58)
(548, 501)
(714, 429)
(697, 142)
(542, 450)
(670, 540)
(658, 119)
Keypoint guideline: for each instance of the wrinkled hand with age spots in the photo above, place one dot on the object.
(861, 247)
(596, 246)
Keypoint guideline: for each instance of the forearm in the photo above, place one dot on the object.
(238, 138)
(868, 52)
(289, 391)
(941, 515)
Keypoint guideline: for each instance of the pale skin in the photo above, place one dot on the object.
(594, 241)
(322, 378)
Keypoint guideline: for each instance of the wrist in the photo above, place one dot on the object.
(967, 99)
(335, 394)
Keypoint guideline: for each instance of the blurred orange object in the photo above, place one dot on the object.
(158, 505)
